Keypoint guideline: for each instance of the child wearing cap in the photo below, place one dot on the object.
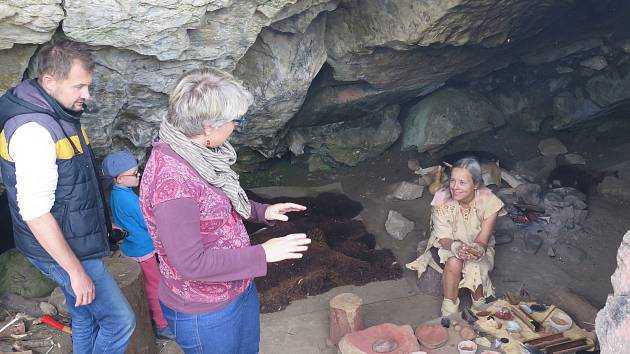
(122, 168)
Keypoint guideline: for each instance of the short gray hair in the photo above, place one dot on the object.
(471, 165)
(206, 97)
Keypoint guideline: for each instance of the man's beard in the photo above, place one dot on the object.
(76, 104)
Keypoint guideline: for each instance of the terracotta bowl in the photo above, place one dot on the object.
(432, 335)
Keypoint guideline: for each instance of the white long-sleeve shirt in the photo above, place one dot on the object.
(33, 150)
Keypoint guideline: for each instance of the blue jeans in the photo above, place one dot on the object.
(106, 324)
(233, 329)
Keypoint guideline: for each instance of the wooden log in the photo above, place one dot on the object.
(345, 316)
(16, 328)
(580, 310)
(129, 277)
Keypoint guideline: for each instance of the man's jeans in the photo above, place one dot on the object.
(106, 324)
(232, 329)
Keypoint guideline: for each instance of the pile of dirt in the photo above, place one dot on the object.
(342, 252)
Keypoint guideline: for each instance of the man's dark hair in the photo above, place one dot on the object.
(56, 58)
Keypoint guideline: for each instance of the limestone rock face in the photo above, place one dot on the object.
(329, 103)
(129, 99)
(610, 88)
(13, 62)
(613, 321)
(524, 105)
(158, 28)
(312, 64)
(598, 96)
(278, 70)
(297, 17)
(372, 23)
(130, 90)
(23, 24)
(447, 114)
(570, 108)
(349, 142)
(553, 52)
(365, 29)
(28, 21)
(220, 31)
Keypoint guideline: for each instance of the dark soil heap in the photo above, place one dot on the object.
(341, 253)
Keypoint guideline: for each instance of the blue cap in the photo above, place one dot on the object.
(118, 162)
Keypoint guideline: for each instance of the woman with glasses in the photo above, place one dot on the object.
(194, 206)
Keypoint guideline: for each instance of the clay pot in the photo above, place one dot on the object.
(432, 335)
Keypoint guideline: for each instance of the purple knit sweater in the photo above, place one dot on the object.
(206, 259)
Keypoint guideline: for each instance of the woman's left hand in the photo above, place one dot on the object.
(476, 251)
(472, 252)
(277, 211)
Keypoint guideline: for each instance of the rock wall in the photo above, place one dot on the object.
(313, 63)
(613, 321)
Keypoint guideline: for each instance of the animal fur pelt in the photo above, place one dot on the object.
(341, 253)
(331, 205)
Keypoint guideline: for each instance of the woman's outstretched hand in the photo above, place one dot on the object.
(287, 247)
(277, 211)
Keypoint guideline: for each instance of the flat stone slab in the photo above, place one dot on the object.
(571, 159)
(363, 342)
(408, 191)
(551, 147)
(596, 63)
(397, 225)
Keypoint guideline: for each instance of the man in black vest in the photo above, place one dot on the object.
(56, 204)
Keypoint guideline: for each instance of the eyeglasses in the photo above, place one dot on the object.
(239, 123)
(135, 174)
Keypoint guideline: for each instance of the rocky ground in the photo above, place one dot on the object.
(581, 258)
(584, 257)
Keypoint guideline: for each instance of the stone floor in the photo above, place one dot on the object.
(303, 326)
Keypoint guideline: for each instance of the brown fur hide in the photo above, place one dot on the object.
(341, 253)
